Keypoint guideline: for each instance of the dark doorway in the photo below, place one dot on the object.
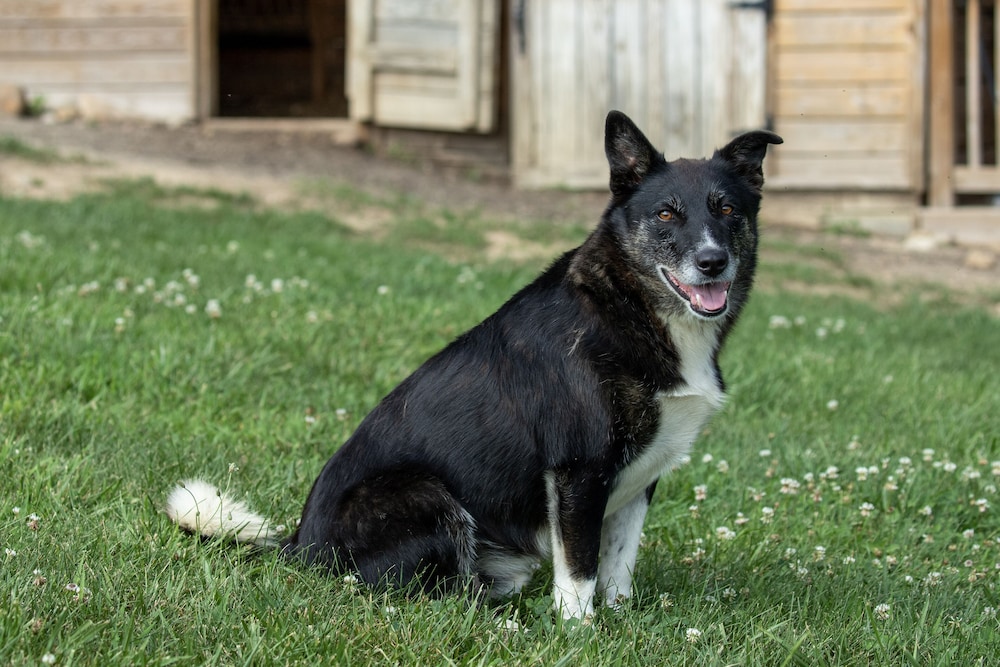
(282, 58)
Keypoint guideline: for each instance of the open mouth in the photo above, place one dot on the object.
(707, 300)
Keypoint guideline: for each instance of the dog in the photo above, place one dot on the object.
(541, 432)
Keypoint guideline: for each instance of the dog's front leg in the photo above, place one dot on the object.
(576, 509)
(620, 538)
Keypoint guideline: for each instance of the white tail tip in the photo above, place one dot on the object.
(201, 508)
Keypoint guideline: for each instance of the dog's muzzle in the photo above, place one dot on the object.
(707, 299)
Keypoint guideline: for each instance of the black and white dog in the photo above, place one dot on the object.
(541, 432)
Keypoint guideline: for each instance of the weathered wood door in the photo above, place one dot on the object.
(691, 73)
(428, 64)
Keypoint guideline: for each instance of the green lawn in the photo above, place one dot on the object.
(842, 509)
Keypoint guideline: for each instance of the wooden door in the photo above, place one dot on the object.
(690, 73)
(428, 64)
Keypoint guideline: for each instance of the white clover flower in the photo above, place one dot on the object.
(790, 486)
(866, 509)
(382, 290)
(725, 533)
(277, 285)
(764, 453)
(882, 611)
(832, 404)
(700, 492)
(213, 309)
(692, 635)
(926, 510)
(767, 513)
(779, 322)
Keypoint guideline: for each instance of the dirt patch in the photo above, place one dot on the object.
(273, 166)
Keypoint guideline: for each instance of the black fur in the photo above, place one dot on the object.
(509, 444)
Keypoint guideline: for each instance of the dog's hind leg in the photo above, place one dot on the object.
(400, 528)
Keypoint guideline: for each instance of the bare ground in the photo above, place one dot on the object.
(273, 165)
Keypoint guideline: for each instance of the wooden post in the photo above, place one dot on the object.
(973, 79)
(941, 141)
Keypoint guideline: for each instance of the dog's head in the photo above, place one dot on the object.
(689, 227)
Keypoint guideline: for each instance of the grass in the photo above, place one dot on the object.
(841, 510)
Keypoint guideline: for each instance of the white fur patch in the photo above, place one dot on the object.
(509, 571)
(620, 537)
(201, 508)
(683, 411)
(572, 597)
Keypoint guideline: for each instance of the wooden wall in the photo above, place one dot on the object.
(114, 57)
(847, 94)
(690, 74)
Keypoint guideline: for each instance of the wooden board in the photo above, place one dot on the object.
(690, 74)
(847, 94)
(124, 57)
(427, 64)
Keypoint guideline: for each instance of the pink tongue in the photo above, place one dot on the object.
(713, 296)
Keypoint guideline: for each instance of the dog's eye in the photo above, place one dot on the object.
(726, 209)
(665, 215)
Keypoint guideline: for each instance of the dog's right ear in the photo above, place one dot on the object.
(630, 155)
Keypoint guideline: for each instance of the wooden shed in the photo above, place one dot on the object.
(888, 107)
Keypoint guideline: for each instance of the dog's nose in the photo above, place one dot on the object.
(711, 261)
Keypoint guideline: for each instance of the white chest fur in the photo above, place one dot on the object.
(684, 410)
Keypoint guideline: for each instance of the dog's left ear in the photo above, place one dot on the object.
(630, 155)
(746, 154)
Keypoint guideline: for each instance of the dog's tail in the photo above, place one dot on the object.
(201, 508)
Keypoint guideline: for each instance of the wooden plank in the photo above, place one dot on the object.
(467, 77)
(941, 133)
(91, 9)
(968, 225)
(916, 47)
(973, 76)
(885, 171)
(487, 76)
(438, 35)
(840, 31)
(414, 12)
(360, 67)
(46, 42)
(747, 85)
(120, 72)
(593, 95)
(629, 49)
(867, 136)
(839, 6)
(402, 57)
(682, 106)
(854, 100)
(716, 62)
(849, 67)
(151, 101)
(976, 179)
